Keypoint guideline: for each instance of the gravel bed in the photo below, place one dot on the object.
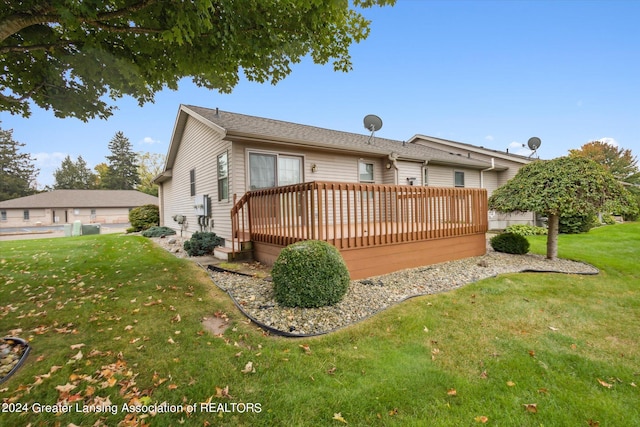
(254, 296)
(367, 297)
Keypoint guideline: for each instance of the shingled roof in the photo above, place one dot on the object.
(244, 127)
(82, 199)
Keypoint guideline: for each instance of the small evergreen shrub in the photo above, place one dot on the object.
(309, 274)
(202, 243)
(577, 224)
(510, 243)
(156, 231)
(608, 219)
(144, 217)
(526, 230)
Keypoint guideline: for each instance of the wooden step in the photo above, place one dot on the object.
(226, 254)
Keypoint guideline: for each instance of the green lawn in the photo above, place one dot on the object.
(114, 320)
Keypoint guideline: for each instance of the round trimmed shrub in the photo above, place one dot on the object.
(510, 243)
(144, 217)
(202, 243)
(309, 274)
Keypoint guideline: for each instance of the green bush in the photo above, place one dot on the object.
(510, 243)
(526, 230)
(144, 217)
(156, 231)
(309, 274)
(202, 243)
(577, 224)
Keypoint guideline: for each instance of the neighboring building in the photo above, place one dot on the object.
(502, 167)
(215, 157)
(67, 206)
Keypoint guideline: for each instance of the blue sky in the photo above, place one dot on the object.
(489, 73)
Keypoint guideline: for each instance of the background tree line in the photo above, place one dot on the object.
(124, 169)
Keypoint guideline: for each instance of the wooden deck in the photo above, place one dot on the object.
(377, 228)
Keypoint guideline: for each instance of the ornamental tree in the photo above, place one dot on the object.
(69, 56)
(563, 186)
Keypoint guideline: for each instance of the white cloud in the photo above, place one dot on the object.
(489, 137)
(48, 160)
(609, 141)
(150, 141)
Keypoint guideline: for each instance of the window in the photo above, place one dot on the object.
(93, 212)
(76, 211)
(262, 170)
(25, 214)
(271, 170)
(366, 171)
(459, 179)
(223, 176)
(192, 181)
(425, 176)
(3, 215)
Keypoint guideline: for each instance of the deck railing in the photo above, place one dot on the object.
(349, 215)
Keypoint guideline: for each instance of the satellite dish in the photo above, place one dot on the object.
(372, 123)
(534, 143)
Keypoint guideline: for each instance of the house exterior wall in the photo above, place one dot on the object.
(55, 216)
(199, 148)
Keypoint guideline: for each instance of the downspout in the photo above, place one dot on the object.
(493, 166)
(393, 158)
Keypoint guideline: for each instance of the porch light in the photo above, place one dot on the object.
(314, 168)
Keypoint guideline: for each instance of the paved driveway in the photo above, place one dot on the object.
(49, 231)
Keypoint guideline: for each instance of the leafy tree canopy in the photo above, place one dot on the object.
(68, 55)
(564, 186)
(619, 161)
(149, 166)
(17, 170)
(74, 175)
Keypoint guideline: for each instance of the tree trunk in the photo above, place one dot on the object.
(552, 237)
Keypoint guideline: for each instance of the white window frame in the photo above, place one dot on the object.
(277, 155)
(455, 181)
(222, 180)
(373, 171)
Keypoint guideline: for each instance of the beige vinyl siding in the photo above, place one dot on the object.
(490, 181)
(440, 176)
(409, 170)
(199, 148)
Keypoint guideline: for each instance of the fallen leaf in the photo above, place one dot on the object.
(248, 368)
(77, 346)
(452, 392)
(425, 329)
(511, 383)
(171, 341)
(532, 353)
(306, 348)
(65, 388)
(531, 407)
(604, 384)
(338, 417)
(332, 371)
(553, 328)
(222, 392)
(593, 423)
(481, 419)
(393, 412)
(172, 386)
